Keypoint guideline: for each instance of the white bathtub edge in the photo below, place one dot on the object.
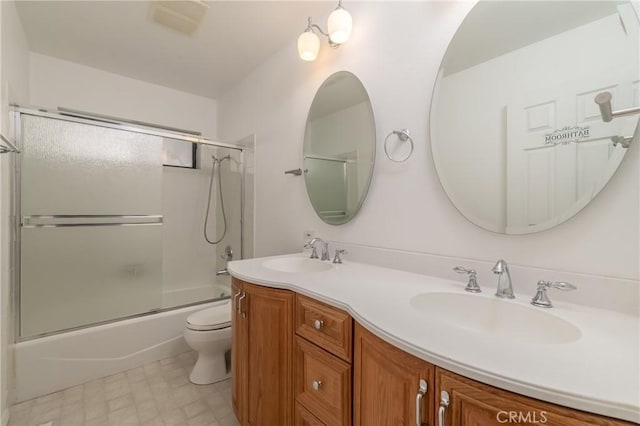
(61, 361)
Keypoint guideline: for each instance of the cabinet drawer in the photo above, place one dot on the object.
(324, 325)
(305, 418)
(322, 384)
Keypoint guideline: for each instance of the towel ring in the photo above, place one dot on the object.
(403, 136)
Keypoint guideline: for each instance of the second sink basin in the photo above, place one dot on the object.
(496, 316)
(297, 264)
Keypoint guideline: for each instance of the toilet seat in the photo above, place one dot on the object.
(215, 318)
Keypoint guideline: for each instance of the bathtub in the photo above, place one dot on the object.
(57, 362)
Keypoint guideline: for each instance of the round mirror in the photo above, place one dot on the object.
(339, 148)
(518, 142)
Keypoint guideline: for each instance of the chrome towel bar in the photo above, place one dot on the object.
(603, 99)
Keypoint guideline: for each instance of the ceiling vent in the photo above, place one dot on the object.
(184, 16)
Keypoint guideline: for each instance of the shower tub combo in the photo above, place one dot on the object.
(111, 255)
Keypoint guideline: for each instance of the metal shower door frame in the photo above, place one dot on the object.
(15, 120)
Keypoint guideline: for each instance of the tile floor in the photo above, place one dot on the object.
(157, 394)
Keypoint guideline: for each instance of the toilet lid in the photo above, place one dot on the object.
(213, 318)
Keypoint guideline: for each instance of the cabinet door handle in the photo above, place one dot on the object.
(318, 324)
(244, 296)
(444, 403)
(316, 384)
(422, 390)
(235, 300)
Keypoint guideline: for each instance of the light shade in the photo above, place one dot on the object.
(308, 46)
(339, 25)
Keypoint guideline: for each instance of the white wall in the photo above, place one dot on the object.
(14, 88)
(55, 82)
(396, 50)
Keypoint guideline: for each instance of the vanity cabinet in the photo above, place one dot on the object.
(387, 384)
(323, 352)
(298, 361)
(471, 403)
(262, 355)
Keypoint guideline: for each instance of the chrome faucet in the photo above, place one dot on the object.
(314, 253)
(472, 285)
(505, 289)
(541, 299)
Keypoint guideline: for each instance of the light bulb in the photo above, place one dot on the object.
(339, 25)
(308, 46)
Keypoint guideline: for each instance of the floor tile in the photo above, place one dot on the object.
(156, 394)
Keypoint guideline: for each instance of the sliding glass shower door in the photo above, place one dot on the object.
(91, 216)
(113, 218)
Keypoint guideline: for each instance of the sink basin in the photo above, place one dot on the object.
(297, 264)
(495, 316)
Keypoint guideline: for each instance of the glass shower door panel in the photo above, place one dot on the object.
(73, 168)
(77, 275)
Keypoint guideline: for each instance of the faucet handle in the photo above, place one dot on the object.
(541, 299)
(472, 285)
(314, 252)
(337, 258)
(560, 285)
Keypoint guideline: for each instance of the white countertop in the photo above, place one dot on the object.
(598, 373)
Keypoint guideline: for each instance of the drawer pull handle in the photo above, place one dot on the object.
(421, 392)
(444, 403)
(317, 384)
(318, 324)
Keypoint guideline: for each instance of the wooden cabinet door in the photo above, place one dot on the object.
(386, 384)
(238, 352)
(269, 340)
(305, 418)
(476, 404)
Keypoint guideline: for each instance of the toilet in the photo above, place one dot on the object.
(208, 332)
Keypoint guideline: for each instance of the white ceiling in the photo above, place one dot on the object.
(119, 37)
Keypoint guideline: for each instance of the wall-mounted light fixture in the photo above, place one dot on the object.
(338, 32)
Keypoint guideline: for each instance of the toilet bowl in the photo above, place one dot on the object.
(208, 332)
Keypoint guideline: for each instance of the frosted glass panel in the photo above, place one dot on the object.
(79, 169)
(73, 276)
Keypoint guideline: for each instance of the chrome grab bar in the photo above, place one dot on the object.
(57, 221)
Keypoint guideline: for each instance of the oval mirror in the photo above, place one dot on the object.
(517, 140)
(339, 148)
